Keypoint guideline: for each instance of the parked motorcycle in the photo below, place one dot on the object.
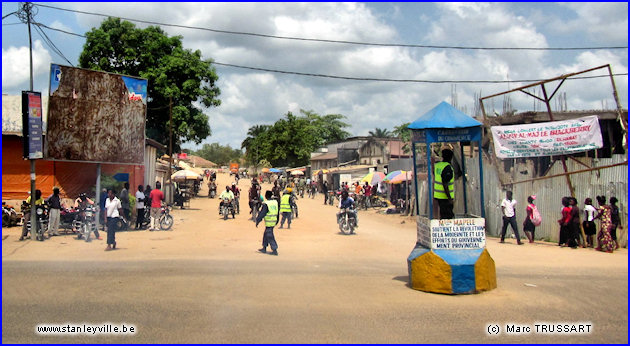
(41, 218)
(68, 219)
(87, 219)
(166, 219)
(347, 221)
(10, 216)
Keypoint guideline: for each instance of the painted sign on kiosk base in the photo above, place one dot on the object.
(450, 257)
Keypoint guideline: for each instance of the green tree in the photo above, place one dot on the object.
(172, 72)
(290, 140)
(219, 154)
(404, 133)
(380, 133)
(253, 143)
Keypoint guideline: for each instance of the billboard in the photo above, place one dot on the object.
(547, 139)
(32, 124)
(95, 116)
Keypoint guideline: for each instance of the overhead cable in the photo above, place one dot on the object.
(334, 41)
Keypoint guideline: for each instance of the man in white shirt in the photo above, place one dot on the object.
(139, 207)
(113, 210)
(509, 217)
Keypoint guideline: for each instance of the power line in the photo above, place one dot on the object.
(335, 41)
(359, 78)
(65, 32)
(50, 43)
(427, 81)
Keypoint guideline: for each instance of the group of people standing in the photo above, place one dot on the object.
(574, 232)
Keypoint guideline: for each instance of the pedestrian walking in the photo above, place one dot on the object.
(576, 232)
(140, 207)
(604, 238)
(565, 222)
(615, 220)
(54, 214)
(156, 196)
(325, 191)
(269, 213)
(124, 201)
(589, 224)
(528, 225)
(508, 207)
(101, 204)
(114, 209)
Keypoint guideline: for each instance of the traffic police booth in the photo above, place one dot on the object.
(450, 255)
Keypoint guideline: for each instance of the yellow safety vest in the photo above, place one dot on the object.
(285, 204)
(271, 218)
(438, 189)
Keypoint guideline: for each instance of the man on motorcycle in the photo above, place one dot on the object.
(237, 196)
(27, 212)
(81, 203)
(254, 196)
(226, 196)
(347, 202)
(212, 188)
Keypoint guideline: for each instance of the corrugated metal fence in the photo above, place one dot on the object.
(549, 192)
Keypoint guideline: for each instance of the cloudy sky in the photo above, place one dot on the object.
(257, 97)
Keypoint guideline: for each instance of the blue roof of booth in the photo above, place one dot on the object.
(444, 116)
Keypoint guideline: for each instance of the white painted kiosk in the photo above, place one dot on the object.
(450, 255)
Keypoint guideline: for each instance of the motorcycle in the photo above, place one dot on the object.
(10, 217)
(227, 208)
(212, 191)
(87, 222)
(166, 219)
(347, 221)
(41, 212)
(67, 219)
(255, 206)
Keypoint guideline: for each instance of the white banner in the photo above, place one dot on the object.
(547, 139)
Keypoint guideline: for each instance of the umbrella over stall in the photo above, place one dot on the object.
(373, 178)
(185, 174)
(401, 178)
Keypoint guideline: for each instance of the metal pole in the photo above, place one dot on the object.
(27, 7)
(429, 179)
(98, 194)
(461, 149)
(483, 207)
(170, 150)
(415, 177)
(622, 120)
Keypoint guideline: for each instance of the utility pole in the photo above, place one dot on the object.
(170, 149)
(26, 7)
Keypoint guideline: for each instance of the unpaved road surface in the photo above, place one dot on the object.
(204, 282)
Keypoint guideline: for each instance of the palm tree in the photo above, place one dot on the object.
(250, 144)
(380, 133)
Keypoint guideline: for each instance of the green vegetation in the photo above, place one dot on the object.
(291, 140)
(172, 72)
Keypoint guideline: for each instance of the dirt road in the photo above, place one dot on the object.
(204, 282)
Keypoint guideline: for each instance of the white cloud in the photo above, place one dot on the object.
(16, 64)
(255, 97)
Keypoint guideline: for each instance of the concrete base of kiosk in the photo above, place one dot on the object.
(451, 271)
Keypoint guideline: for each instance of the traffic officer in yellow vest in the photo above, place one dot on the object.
(444, 186)
(269, 213)
(285, 207)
